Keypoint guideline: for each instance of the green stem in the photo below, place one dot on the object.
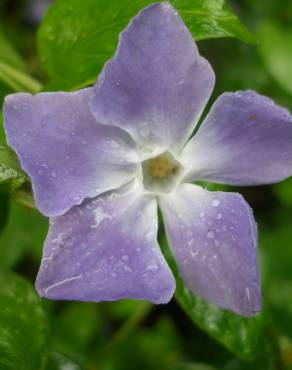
(124, 332)
(18, 80)
(23, 197)
(129, 326)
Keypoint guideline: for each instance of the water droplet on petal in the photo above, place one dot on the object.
(215, 202)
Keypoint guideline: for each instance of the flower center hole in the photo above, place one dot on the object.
(161, 173)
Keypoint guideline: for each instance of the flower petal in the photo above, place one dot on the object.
(106, 249)
(213, 236)
(157, 84)
(66, 153)
(245, 140)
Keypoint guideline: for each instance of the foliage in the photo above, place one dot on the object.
(75, 40)
(71, 45)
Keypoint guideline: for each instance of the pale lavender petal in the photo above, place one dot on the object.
(245, 140)
(157, 84)
(66, 153)
(106, 249)
(213, 238)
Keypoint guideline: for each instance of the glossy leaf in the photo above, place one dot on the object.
(23, 326)
(11, 175)
(2, 134)
(238, 334)
(78, 36)
(57, 361)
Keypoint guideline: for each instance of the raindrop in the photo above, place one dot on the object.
(215, 202)
(210, 235)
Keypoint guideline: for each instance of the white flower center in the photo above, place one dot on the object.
(161, 173)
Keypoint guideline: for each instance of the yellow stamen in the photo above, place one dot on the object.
(160, 167)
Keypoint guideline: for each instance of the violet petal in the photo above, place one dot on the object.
(245, 140)
(213, 238)
(106, 249)
(66, 153)
(157, 84)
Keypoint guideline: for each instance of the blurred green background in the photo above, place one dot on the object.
(129, 335)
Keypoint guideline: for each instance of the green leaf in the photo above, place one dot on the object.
(24, 233)
(2, 134)
(4, 201)
(23, 325)
(11, 175)
(238, 334)
(283, 191)
(208, 19)
(275, 47)
(57, 361)
(78, 36)
(75, 328)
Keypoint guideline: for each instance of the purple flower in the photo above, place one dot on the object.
(37, 9)
(101, 159)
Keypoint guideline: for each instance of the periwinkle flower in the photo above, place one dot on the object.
(101, 159)
(36, 10)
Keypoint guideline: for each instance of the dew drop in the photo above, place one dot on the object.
(215, 203)
(210, 235)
